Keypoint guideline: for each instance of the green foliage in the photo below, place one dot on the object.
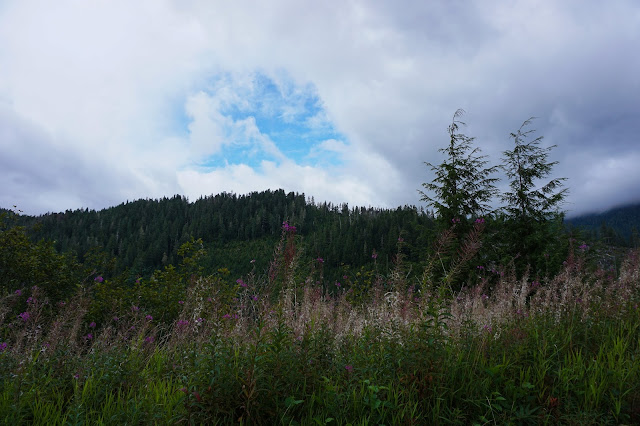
(533, 219)
(24, 264)
(463, 186)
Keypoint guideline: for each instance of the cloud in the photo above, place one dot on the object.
(159, 94)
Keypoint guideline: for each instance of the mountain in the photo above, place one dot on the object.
(617, 226)
(145, 235)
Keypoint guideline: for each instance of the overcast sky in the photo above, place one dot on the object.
(107, 101)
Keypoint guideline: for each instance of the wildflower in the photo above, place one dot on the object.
(253, 261)
(76, 376)
(99, 279)
(226, 316)
(287, 227)
(320, 260)
(455, 220)
(242, 283)
(480, 267)
(18, 292)
(3, 346)
(400, 239)
(24, 316)
(30, 300)
(62, 303)
(584, 247)
(348, 367)
(338, 284)
(182, 323)
(480, 220)
(89, 336)
(181, 302)
(149, 318)
(485, 297)
(209, 299)
(149, 339)
(92, 325)
(374, 256)
(200, 320)
(255, 297)
(135, 308)
(116, 318)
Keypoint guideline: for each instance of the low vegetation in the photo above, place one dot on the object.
(462, 317)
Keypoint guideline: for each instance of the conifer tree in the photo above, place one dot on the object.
(533, 214)
(463, 186)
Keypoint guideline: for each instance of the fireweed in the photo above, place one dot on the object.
(411, 353)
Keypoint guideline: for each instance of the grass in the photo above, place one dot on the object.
(562, 352)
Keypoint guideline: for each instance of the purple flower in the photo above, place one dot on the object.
(149, 318)
(89, 336)
(76, 376)
(374, 256)
(320, 260)
(149, 339)
(99, 278)
(255, 297)
(135, 308)
(480, 220)
(485, 297)
(348, 367)
(24, 316)
(338, 284)
(200, 320)
(253, 261)
(400, 239)
(18, 292)
(3, 346)
(116, 318)
(287, 227)
(181, 302)
(182, 323)
(584, 247)
(92, 325)
(242, 283)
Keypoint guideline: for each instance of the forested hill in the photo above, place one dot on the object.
(145, 235)
(619, 226)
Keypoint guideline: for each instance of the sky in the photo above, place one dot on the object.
(103, 101)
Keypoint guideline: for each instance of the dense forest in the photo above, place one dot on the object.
(618, 226)
(145, 235)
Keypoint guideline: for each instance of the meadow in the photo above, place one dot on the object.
(285, 350)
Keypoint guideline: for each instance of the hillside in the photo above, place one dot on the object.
(618, 226)
(144, 235)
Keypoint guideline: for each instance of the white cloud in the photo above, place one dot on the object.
(144, 92)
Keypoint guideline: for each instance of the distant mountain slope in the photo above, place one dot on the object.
(618, 223)
(145, 235)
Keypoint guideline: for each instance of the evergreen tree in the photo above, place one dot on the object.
(463, 186)
(532, 210)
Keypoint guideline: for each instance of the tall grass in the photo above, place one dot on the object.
(506, 351)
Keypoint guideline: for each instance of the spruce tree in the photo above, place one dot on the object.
(532, 207)
(463, 186)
